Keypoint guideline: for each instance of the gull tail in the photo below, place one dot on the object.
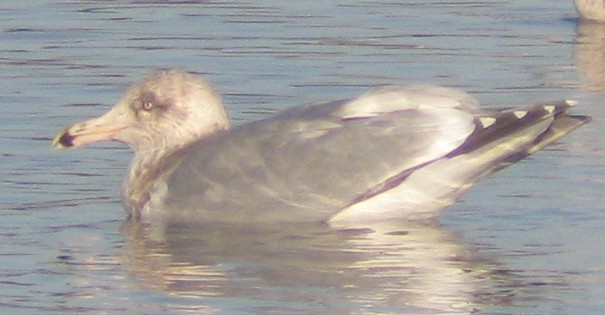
(500, 139)
(520, 132)
(563, 125)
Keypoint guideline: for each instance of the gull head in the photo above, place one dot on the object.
(166, 111)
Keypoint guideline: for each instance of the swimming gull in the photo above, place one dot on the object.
(393, 153)
(593, 10)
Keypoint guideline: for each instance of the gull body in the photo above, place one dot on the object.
(592, 10)
(393, 153)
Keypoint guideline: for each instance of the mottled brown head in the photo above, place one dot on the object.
(167, 110)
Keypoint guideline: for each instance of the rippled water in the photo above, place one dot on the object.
(528, 240)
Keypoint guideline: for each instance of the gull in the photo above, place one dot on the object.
(394, 153)
(593, 10)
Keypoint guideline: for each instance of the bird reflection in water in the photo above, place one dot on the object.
(407, 267)
(589, 48)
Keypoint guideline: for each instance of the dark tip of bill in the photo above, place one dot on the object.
(63, 140)
(66, 140)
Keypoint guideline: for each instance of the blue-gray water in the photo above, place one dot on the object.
(528, 240)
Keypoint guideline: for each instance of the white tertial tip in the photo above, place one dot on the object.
(571, 103)
(520, 113)
(487, 121)
(549, 108)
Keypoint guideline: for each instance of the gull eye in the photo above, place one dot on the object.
(147, 106)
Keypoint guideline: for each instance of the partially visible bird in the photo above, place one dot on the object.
(593, 10)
